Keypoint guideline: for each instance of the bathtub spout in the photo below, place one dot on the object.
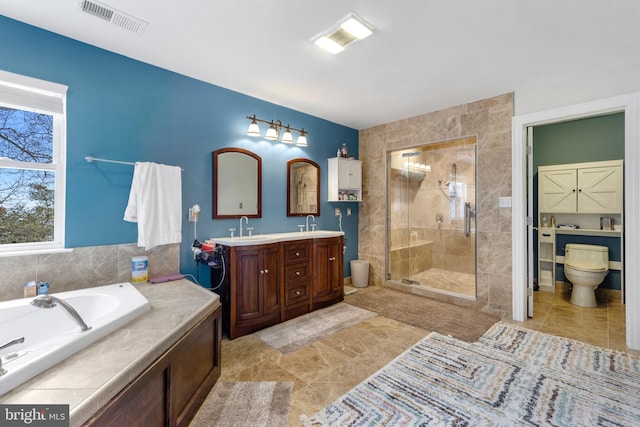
(49, 301)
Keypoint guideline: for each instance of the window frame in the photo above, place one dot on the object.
(40, 96)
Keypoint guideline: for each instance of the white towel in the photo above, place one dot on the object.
(155, 203)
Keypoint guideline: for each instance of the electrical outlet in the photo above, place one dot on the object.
(338, 213)
(193, 213)
(348, 211)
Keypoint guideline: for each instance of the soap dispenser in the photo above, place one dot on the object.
(545, 223)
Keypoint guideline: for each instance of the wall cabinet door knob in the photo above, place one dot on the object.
(297, 273)
(266, 271)
(297, 253)
(261, 271)
(297, 292)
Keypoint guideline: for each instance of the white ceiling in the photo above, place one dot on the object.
(425, 54)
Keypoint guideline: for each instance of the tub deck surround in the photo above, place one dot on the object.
(88, 380)
(50, 334)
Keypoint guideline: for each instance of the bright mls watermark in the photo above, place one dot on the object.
(34, 415)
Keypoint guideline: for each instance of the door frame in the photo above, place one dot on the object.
(630, 105)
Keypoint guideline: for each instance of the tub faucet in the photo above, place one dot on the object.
(49, 301)
(307, 222)
(246, 221)
(5, 345)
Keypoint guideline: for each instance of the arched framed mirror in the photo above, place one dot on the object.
(303, 187)
(237, 184)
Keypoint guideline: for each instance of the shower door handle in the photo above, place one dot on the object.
(467, 219)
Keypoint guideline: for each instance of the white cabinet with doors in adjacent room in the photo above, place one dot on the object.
(594, 187)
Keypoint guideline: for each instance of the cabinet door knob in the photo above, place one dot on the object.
(574, 190)
(297, 273)
(261, 271)
(297, 292)
(297, 253)
(332, 259)
(266, 271)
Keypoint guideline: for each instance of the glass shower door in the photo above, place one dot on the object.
(431, 231)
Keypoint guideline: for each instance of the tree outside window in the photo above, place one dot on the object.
(26, 195)
(32, 164)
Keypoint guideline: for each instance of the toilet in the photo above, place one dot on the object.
(585, 266)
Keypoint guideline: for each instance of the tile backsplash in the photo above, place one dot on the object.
(83, 267)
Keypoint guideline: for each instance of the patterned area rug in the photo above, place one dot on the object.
(249, 404)
(511, 376)
(296, 333)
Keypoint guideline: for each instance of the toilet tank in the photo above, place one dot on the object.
(586, 257)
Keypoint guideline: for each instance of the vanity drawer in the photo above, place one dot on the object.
(297, 291)
(296, 271)
(296, 252)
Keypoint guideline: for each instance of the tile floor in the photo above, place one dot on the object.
(325, 370)
(603, 325)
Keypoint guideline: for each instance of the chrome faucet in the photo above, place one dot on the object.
(246, 221)
(5, 345)
(307, 221)
(49, 301)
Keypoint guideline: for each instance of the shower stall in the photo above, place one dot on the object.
(431, 226)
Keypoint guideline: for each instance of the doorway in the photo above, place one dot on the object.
(522, 222)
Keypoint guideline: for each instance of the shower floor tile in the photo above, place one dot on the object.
(447, 281)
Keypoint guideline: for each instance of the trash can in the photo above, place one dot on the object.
(359, 273)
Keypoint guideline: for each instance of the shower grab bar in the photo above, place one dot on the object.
(467, 219)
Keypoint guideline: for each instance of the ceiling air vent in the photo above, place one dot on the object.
(113, 15)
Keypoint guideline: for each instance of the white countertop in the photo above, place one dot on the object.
(90, 378)
(263, 239)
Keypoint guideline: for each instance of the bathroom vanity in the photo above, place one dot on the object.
(270, 278)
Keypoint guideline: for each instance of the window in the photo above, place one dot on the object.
(32, 164)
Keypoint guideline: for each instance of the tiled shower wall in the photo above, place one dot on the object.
(490, 121)
(81, 268)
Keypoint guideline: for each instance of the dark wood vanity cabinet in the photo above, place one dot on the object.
(328, 272)
(297, 278)
(255, 288)
(170, 391)
(270, 283)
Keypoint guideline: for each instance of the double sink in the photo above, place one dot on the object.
(263, 239)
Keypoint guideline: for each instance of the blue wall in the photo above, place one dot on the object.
(122, 109)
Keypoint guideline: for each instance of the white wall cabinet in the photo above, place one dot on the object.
(344, 177)
(594, 187)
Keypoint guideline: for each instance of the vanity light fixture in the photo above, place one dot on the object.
(273, 133)
(349, 29)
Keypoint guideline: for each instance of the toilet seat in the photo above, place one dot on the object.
(586, 268)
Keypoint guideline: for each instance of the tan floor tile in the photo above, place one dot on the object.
(269, 371)
(312, 362)
(353, 341)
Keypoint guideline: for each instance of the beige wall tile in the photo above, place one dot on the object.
(489, 120)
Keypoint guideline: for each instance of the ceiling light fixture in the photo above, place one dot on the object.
(273, 133)
(349, 29)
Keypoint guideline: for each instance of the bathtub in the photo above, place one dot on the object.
(51, 334)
